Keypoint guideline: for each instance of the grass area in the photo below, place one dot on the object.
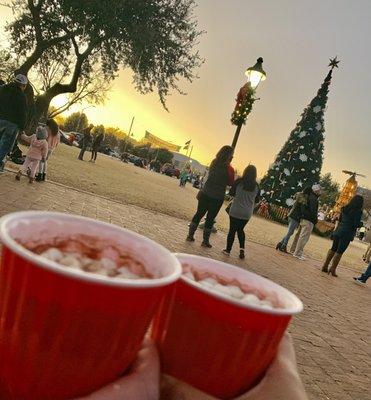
(128, 184)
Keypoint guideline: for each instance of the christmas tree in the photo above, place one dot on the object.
(299, 163)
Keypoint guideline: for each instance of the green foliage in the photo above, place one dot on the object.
(162, 155)
(7, 65)
(156, 39)
(331, 190)
(299, 162)
(244, 107)
(76, 122)
(111, 141)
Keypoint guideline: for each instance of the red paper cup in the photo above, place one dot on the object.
(63, 332)
(213, 342)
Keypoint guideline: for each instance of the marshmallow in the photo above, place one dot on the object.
(189, 275)
(70, 261)
(235, 292)
(208, 282)
(52, 254)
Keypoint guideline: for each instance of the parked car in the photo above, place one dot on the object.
(68, 138)
(169, 170)
(139, 162)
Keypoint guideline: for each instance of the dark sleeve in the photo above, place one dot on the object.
(357, 220)
(22, 111)
(313, 209)
(232, 190)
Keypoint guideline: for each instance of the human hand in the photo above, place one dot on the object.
(141, 383)
(281, 381)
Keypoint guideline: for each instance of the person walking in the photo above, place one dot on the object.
(53, 138)
(183, 177)
(350, 221)
(245, 192)
(211, 196)
(361, 280)
(294, 217)
(86, 141)
(309, 218)
(37, 152)
(13, 113)
(97, 142)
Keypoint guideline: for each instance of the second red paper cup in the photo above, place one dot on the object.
(216, 343)
(65, 332)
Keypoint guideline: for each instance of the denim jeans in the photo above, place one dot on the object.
(293, 224)
(8, 136)
(366, 274)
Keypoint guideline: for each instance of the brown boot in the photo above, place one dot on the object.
(335, 263)
(330, 255)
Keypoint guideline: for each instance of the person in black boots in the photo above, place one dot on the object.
(294, 217)
(211, 196)
(86, 141)
(350, 221)
(246, 194)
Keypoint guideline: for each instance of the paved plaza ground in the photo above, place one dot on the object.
(332, 335)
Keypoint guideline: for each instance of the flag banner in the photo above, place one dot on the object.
(155, 141)
(187, 143)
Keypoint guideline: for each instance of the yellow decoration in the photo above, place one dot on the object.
(349, 190)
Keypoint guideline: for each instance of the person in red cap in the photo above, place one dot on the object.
(13, 112)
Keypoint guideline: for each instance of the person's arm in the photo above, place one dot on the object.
(313, 209)
(26, 138)
(22, 111)
(233, 189)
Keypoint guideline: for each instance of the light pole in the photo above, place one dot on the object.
(128, 136)
(245, 97)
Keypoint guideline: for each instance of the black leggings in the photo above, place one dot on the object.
(236, 225)
(207, 205)
(94, 153)
(339, 244)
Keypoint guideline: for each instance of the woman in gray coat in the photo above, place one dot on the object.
(246, 193)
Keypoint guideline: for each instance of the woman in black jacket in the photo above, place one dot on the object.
(350, 221)
(211, 196)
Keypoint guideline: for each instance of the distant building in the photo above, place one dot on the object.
(180, 160)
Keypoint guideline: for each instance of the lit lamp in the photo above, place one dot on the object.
(245, 97)
(256, 74)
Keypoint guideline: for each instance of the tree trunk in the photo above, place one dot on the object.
(38, 112)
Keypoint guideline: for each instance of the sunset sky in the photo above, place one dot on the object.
(296, 39)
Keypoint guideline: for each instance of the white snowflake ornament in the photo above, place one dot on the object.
(302, 134)
(318, 126)
(300, 183)
(303, 157)
(317, 109)
(290, 201)
(283, 182)
(286, 172)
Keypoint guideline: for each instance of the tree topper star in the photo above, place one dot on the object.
(334, 62)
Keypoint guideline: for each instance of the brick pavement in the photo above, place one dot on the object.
(332, 335)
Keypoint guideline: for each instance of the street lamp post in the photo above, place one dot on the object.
(128, 136)
(245, 97)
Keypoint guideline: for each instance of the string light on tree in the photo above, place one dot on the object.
(302, 154)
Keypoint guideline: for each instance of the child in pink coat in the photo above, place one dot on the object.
(53, 138)
(37, 152)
